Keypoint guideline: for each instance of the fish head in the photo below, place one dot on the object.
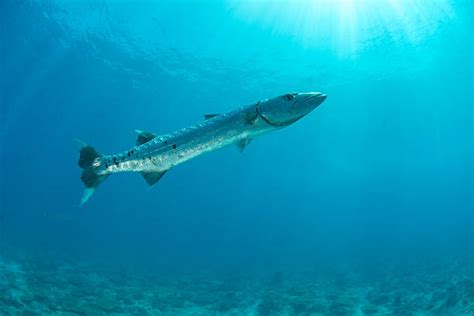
(289, 108)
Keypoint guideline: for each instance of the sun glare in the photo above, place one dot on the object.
(346, 26)
(344, 2)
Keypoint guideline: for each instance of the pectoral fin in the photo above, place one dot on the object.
(209, 116)
(242, 144)
(152, 177)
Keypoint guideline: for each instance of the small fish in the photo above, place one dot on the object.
(154, 155)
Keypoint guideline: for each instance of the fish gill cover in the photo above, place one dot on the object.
(364, 207)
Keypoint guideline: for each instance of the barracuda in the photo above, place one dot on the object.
(154, 154)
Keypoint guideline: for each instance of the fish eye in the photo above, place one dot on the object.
(288, 97)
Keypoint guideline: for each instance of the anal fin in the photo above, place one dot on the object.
(152, 177)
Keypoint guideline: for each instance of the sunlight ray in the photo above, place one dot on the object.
(347, 25)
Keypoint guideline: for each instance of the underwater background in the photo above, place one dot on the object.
(364, 207)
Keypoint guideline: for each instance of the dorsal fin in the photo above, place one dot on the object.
(209, 116)
(144, 137)
(152, 177)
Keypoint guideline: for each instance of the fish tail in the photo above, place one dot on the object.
(89, 160)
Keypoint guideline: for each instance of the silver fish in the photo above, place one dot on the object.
(154, 154)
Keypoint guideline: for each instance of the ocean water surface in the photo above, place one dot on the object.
(363, 207)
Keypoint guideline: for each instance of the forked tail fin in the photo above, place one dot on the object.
(89, 160)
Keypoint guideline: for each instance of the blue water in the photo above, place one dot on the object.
(364, 207)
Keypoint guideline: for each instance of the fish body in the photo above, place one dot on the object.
(154, 155)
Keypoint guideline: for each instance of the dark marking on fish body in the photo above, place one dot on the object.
(174, 146)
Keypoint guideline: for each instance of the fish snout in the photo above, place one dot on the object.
(317, 98)
(314, 99)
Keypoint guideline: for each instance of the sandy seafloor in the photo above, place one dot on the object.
(30, 287)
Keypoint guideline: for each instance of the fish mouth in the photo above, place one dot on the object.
(268, 121)
(279, 124)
